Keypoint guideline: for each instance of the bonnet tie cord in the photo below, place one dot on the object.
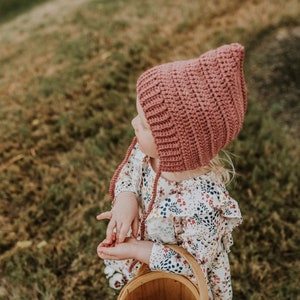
(118, 171)
(146, 214)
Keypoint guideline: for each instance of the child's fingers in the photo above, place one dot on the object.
(104, 215)
(122, 234)
(105, 243)
(102, 253)
(135, 227)
(111, 230)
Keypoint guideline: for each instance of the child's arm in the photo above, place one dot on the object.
(124, 213)
(130, 249)
(123, 216)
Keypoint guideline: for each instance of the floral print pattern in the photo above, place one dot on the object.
(197, 214)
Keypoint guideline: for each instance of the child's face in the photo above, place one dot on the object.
(143, 132)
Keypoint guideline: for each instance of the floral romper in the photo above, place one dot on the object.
(198, 214)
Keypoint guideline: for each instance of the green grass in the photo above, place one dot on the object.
(12, 8)
(67, 95)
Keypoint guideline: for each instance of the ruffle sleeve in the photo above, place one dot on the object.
(229, 210)
(129, 178)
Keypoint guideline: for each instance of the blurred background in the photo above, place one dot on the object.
(67, 94)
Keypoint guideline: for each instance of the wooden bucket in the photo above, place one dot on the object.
(159, 285)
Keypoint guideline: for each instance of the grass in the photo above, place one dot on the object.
(67, 96)
(12, 8)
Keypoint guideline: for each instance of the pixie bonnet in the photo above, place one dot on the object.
(194, 107)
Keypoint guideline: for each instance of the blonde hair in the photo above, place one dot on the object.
(222, 166)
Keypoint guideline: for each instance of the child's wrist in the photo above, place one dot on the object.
(124, 196)
(142, 250)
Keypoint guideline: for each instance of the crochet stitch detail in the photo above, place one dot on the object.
(194, 107)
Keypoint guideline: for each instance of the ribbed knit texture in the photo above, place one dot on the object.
(194, 107)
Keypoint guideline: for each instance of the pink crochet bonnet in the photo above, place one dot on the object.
(194, 107)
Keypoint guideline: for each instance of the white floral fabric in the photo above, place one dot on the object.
(197, 214)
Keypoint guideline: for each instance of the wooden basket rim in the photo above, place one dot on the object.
(158, 275)
(200, 292)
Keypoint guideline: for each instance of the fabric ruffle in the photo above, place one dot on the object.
(131, 173)
(229, 210)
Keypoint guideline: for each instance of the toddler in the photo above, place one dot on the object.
(170, 188)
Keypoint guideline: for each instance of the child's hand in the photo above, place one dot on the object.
(131, 248)
(106, 243)
(123, 216)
